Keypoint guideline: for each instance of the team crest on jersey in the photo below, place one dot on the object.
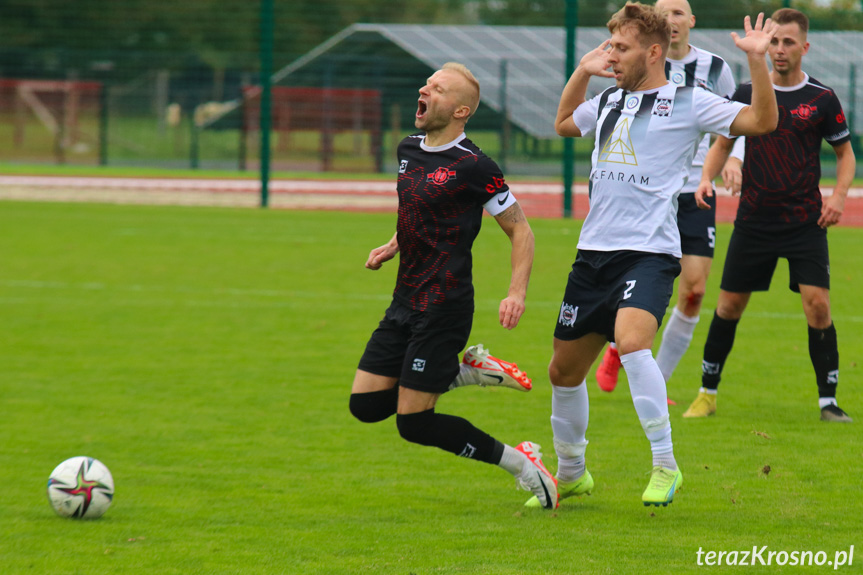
(804, 111)
(441, 176)
(619, 149)
(403, 166)
(662, 107)
(678, 79)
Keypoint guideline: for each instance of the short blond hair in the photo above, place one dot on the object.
(649, 21)
(473, 95)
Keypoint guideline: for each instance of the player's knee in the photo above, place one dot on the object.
(416, 427)
(561, 377)
(692, 304)
(374, 406)
(818, 313)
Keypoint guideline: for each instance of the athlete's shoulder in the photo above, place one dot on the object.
(483, 163)
(411, 142)
(467, 145)
(706, 55)
(813, 83)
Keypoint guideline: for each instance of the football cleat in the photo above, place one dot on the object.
(833, 412)
(609, 367)
(704, 405)
(495, 371)
(536, 478)
(664, 483)
(581, 486)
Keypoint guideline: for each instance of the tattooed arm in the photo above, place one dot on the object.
(513, 222)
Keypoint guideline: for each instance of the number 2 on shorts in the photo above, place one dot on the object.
(630, 285)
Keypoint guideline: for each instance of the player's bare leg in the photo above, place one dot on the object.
(680, 326)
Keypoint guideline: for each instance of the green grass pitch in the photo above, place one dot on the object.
(206, 357)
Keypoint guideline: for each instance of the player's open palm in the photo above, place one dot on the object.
(757, 38)
(596, 63)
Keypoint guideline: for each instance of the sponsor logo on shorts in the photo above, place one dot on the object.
(568, 314)
(419, 365)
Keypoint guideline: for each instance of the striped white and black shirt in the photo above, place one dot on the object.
(709, 71)
(644, 146)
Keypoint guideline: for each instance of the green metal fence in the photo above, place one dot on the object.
(172, 77)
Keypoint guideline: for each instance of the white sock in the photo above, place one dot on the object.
(512, 460)
(651, 404)
(707, 391)
(612, 345)
(467, 375)
(825, 401)
(570, 412)
(675, 341)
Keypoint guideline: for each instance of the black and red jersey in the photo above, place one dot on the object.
(441, 195)
(781, 170)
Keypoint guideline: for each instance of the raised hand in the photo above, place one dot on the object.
(596, 63)
(757, 38)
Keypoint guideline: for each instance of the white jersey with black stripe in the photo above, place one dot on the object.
(709, 71)
(644, 145)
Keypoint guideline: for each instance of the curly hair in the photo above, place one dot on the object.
(651, 24)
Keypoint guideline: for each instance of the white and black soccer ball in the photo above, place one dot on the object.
(81, 487)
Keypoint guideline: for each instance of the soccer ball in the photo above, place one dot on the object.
(81, 487)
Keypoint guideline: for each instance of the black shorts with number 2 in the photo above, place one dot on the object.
(602, 282)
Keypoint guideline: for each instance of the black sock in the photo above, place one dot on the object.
(450, 433)
(720, 339)
(824, 352)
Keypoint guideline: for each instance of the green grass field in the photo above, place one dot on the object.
(206, 357)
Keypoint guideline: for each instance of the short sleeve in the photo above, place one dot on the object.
(585, 116)
(835, 127)
(488, 180)
(715, 113)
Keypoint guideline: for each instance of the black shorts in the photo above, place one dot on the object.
(697, 227)
(421, 349)
(602, 282)
(752, 258)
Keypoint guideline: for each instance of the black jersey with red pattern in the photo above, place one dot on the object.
(781, 170)
(441, 195)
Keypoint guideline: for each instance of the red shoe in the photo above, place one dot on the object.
(606, 373)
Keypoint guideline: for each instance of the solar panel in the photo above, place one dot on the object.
(533, 58)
